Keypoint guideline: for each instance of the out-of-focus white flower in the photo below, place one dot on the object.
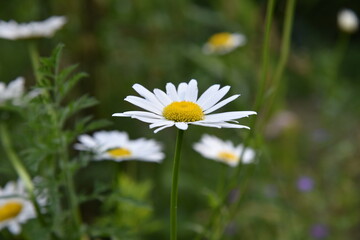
(13, 30)
(348, 21)
(117, 146)
(14, 94)
(15, 207)
(223, 151)
(181, 107)
(222, 43)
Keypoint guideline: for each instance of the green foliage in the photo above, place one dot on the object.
(128, 211)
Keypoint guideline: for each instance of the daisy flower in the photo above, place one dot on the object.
(348, 21)
(117, 146)
(15, 207)
(14, 92)
(223, 151)
(13, 30)
(181, 107)
(224, 42)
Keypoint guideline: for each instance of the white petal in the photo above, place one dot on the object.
(161, 128)
(222, 103)
(160, 123)
(205, 124)
(192, 91)
(145, 119)
(208, 94)
(142, 114)
(215, 98)
(181, 125)
(171, 92)
(120, 115)
(143, 103)
(148, 95)
(182, 89)
(230, 125)
(227, 116)
(14, 228)
(163, 98)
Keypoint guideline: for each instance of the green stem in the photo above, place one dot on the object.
(285, 49)
(265, 54)
(284, 52)
(174, 187)
(20, 169)
(34, 56)
(63, 154)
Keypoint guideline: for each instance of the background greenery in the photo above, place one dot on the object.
(313, 130)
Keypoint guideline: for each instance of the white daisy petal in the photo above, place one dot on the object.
(227, 116)
(208, 94)
(143, 114)
(160, 123)
(148, 95)
(182, 89)
(146, 119)
(221, 104)
(163, 127)
(215, 98)
(143, 103)
(205, 124)
(171, 92)
(163, 98)
(192, 91)
(230, 125)
(119, 115)
(181, 125)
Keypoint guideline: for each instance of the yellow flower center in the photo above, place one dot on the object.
(183, 112)
(10, 210)
(227, 157)
(119, 152)
(221, 39)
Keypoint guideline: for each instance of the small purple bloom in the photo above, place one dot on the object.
(305, 184)
(319, 231)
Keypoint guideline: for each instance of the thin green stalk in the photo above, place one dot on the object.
(174, 187)
(70, 185)
(258, 103)
(265, 54)
(285, 49)
(34, 56)
(284, 52)
(20, 169)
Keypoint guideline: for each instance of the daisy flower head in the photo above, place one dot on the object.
(15, 207)
(223, 151)
(12, 30)
(14, 92)
(116, 145)
(181, 106)
(348, 21)
(224, 42)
